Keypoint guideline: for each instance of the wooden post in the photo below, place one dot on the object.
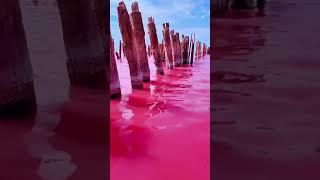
(129, 46)
(185, 49)
(139, 35)
(16, 76)
(174, 47)
(189, 49)
(83, 42)
(154, 44)
(120, 49)
(115, 90)
(167, 45)
(183, 43)
(162, 53)
(179, 56)
(196, 49)
(204, 50)
(192, 48)
(149, 51)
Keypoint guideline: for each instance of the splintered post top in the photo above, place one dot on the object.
(172, 32)
(121, 3)
(165, 25)
(121, 6)
(135, 6)
(150, 20)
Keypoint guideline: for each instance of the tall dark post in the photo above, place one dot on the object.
(84, 43)
(154, 43)
(186, 50)
(16, 76)
(167, 45)
(192, 48)
(139, 34)
(179, 56)
(120, 49)
(129, 46)
(189, 49)
(115, 90)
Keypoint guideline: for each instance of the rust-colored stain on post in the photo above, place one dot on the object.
(129, 47)
(139, 35)
(167, 45)
(155, 45)
(115, 90)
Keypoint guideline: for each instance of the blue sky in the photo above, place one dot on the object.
(184, 16)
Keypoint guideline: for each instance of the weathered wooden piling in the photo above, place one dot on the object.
(192, 48)
(185, 50)
(167, 45)
(16, 76)
(174, 43)
(139, 35)
(204, 51)
(183, 44)
(84, 43)
(189, 49)
(149, 51)
(179, 55)
(129, 46)
(162, 52)
(154, 44)
(120, 49)
(198, 50)
(115, 90)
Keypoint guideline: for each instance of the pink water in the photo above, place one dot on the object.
(162, 131)
(67, 138)
(266, 108)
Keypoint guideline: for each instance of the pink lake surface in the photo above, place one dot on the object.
(162, 132)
